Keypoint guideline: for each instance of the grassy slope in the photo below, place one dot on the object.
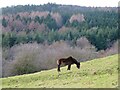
(93, 74)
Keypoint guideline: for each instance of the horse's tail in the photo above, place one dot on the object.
(58, 62)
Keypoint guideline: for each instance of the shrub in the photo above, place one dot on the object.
(24, 64)
(113, 49)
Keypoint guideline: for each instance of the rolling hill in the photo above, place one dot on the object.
(98, 73)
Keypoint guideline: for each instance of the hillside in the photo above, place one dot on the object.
(99, 73)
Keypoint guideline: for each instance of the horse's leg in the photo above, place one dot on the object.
(69, 66)
(59, 68)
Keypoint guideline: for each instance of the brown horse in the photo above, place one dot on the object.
(67, 61)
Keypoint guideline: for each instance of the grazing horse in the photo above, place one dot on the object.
(67, 61)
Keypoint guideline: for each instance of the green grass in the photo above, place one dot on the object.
(99, 73)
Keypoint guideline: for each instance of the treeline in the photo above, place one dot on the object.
(52, 22)
(52, 7)
(101, 38)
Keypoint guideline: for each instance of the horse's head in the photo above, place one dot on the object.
(78, 65)
(75, 61)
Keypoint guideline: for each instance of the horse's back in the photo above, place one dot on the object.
(65, 61)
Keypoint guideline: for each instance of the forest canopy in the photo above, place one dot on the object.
(52, 22)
